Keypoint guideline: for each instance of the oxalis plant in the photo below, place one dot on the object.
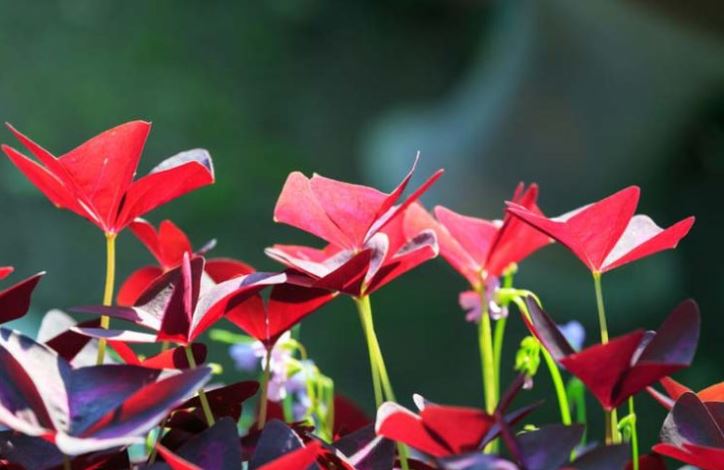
(81, 396)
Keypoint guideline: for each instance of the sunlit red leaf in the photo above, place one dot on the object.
(438, 430)
(287, 305)
(343, 214)
(95, 180)
(606, 234)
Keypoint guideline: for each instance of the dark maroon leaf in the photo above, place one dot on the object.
(476, 461)
(547, 331)
(549, 446)
(602, 458)
(227, 400)
(69, 343)
(15, 300)
(276, 440)
(691, 422)
(29, 452)
(217, 448)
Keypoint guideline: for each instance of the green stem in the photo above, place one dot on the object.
(287, 409)
(610, 417)
(553, 370)
(487, 361)
(154, 449)
(107, 291)
(498, 337)
(263, 400)
(66, 463)
(634, 434)
(559, 386)
(601, 309)
(363, 306)
(377, 364)
(202, 394)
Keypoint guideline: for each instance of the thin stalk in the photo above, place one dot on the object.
(487, 362)
(611, 429)
(559, 386)
(487, 359)
(554, 372)
(66, 463)
(202, 395)
(499, 334)
(362, 307)
(601, 309)
(377, 364)
(380, 362)
(634, 434)
(498, 337)
(287, 409)
(107, 291)
(263, 400)
(154, 450)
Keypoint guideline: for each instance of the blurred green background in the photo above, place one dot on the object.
(582, 97)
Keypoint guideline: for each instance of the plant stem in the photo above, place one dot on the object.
(377, 364)
(553, 370)
(107, 291)
(601, 309)
(363, 306)
(634, 434)
(66, 463)
(263, 400)
(559, 386)
(612, 435)
(154, 450)
(487, 360)
(202, 395)
(498, 336)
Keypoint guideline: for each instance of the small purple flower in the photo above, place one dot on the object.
(246, 356)
(470, 302)
(574, 333)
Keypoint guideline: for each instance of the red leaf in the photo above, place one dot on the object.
(95, 180)
(136, 284)
(606, 234)
(15, 300)
(172, 178)
(223, 269)
(396, 423)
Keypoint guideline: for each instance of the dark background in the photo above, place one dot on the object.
(583, 97)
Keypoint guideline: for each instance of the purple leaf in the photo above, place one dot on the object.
(216, 448)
